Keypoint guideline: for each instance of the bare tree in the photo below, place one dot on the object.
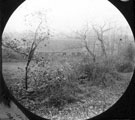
(14, 44)
(100, 30)
(27, 47)
(42, 33)
(83, 36)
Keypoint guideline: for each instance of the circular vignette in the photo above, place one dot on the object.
(103, 115)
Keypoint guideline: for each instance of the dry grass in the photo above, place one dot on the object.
(67, 89)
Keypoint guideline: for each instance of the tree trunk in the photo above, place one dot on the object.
(103, 49)
(26, 74)
(26, 77)
(91, 54)
(30, 56)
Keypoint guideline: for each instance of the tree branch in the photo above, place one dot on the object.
(15, 50)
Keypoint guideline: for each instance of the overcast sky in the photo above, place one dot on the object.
(68, 15)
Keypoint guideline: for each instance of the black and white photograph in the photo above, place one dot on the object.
(67, 59)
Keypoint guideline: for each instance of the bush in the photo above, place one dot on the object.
(125, 67)
(59, 93)
(98, 73)
(59, 85)
(129, 53)
(56, 86)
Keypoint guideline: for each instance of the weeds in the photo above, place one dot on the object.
(60, 83)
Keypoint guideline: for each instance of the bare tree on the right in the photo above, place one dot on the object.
(100, 31)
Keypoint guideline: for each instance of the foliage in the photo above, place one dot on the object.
(27, 46)
(63, 82)
(10, 55)
(126, 60)
(54, 85)
(125, 66)
(99, 73)
(129, 53)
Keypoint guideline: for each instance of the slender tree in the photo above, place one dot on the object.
(28, 46)
(100, 31)
(42, 33)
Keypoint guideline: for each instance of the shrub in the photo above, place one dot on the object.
(60, 92)
(129, 53)
(98, 73)
(57, 86)
(124, 67)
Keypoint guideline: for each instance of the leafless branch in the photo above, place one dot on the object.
(36, 32)
(100, 36)
(15, 49)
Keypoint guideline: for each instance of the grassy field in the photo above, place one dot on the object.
(11, 71)
(81, 98)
